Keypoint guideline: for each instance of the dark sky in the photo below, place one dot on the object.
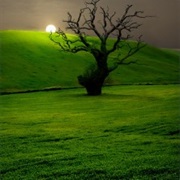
(161, 31)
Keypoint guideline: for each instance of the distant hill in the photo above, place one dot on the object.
(30, 61)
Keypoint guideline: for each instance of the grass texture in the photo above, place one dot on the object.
(30, 61)
(130, 132)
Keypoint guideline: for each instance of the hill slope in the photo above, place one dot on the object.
(29, 60)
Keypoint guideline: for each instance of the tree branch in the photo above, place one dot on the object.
(86, 21)
(69, 45)
(131, 51)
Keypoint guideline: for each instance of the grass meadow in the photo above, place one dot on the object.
(130, 132)
(31, 61)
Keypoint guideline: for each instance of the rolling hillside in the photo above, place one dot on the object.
(30, 61)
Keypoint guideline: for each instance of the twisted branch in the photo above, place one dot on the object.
(86, 21)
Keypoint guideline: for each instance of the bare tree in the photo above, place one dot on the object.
(104, 29)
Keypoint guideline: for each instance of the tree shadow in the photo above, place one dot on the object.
(112, 96)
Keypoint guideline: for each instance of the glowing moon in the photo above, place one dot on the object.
(50, 28)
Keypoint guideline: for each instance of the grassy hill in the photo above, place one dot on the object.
(128, 133)
(29, 60)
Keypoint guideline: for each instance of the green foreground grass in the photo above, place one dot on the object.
(130, 132)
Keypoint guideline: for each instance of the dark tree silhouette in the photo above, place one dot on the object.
(106, 28)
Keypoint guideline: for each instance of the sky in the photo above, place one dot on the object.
(161, 31)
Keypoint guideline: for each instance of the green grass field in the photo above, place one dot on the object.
(30, 61)
(130, 132)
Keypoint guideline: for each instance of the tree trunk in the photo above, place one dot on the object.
(94, 89)
(94, 82)
(93, 79)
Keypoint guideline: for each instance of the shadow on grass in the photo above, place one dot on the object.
(111, 96)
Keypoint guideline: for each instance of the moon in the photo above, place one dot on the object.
(50, 28)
